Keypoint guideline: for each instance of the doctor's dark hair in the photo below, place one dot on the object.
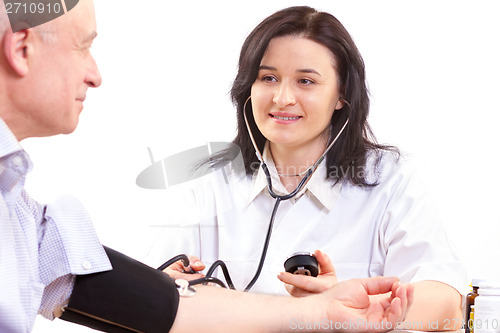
(351, 150)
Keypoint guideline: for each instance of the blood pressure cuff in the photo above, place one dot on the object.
(132, 297)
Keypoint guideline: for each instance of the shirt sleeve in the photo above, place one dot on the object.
(68, 246)
(415, 239)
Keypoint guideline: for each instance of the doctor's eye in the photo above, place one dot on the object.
(306, 82)
(268, 78)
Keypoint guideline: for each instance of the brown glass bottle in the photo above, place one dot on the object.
(469, 306)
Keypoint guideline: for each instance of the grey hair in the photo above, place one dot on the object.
(47, 36)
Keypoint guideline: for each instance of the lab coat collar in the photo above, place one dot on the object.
(323, 190)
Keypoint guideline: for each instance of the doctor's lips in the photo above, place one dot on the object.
(284, 117)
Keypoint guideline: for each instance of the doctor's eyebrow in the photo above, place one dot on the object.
(308, 70)
(305, 70)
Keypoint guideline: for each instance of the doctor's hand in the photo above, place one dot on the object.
(353, 305)
(303, 285)
(178, 271)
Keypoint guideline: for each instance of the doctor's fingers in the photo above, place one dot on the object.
(325, 264)
(297, 292)
(307, 284)
(196, 264)
(175, 274)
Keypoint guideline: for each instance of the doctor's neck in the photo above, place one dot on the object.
(293, 162)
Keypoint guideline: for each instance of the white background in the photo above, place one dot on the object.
(432, 69)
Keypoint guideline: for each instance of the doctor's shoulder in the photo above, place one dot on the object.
(385, 168)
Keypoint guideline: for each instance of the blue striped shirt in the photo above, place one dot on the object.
(42, 247)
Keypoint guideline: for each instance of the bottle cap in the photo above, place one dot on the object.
(477, 281)
(489, 287)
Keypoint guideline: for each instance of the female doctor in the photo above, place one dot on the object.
(302, 107)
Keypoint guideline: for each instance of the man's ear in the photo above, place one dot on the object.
(17, 47)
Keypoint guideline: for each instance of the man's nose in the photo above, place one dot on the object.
(93, 77)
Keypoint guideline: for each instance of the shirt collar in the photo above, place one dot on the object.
(318, 187)
(14, 164)
(8, 142)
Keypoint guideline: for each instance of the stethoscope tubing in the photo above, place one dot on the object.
(279, 198)
(273, 194)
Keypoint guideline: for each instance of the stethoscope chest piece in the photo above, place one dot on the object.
(302, 263)
(184, 289)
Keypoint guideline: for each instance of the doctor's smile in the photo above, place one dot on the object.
(284, 118)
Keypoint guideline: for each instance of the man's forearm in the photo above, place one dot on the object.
(219, 310)
(348, 303)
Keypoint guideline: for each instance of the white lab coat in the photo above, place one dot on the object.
(391, 229)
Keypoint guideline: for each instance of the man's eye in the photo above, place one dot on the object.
(85, 50)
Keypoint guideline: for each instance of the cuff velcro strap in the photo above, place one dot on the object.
(132, 297)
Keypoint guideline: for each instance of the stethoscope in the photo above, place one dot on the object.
(279, 198)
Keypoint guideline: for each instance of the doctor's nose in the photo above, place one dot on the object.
(284, 96)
